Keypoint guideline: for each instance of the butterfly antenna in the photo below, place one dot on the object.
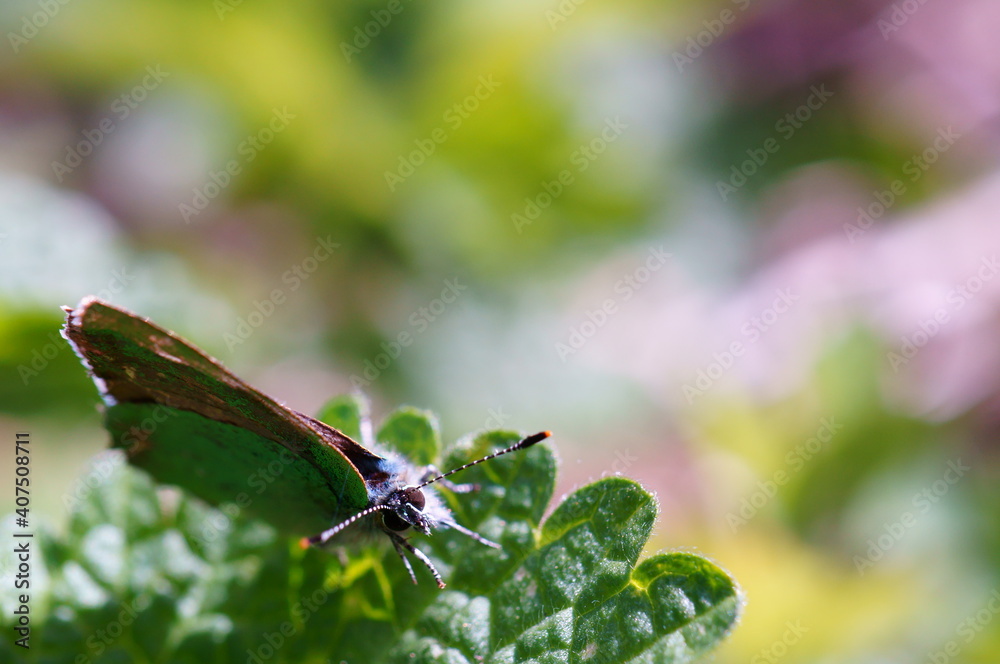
(325, 536)
(526, 442)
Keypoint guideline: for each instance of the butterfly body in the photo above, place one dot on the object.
(391, 485)
(188, 421)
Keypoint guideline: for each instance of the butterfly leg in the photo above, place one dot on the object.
(406, 561)
(401, 541)
(473, 534)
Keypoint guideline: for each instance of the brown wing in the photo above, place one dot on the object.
(135, 361)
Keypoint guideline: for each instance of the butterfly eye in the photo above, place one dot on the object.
(393, 521)
(416, 498)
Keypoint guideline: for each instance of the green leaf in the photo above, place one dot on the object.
(147, 574)
(413, 433)
(345, 413)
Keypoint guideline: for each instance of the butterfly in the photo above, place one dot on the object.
(184, 418)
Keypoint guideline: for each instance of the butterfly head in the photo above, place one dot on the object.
(411, 506)
(407, 509)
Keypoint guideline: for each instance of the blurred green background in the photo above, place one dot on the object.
(744, 252)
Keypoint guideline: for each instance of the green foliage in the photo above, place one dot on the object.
(413, 433)
(148, 577)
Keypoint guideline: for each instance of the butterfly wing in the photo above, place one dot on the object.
(181, 415)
